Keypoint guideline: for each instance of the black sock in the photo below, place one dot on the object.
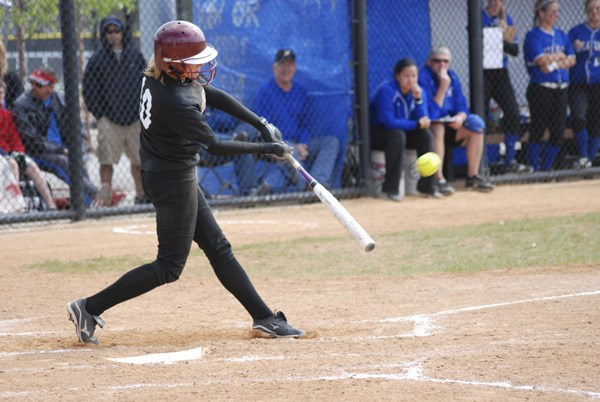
(134, 283)
(234, 279)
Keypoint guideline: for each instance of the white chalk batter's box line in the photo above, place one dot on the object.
(411, 371)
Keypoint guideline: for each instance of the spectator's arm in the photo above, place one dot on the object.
(460, 105)
(384, 109)
(35, 143)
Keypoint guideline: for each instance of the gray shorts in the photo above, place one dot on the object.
(114, 140)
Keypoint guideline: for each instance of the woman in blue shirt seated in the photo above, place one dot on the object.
(399, 120)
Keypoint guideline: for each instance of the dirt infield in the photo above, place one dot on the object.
(530, 333)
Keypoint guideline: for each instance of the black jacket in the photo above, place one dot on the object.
(111, 86)
(33, 119)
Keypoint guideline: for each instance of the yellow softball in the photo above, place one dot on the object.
(428, 164)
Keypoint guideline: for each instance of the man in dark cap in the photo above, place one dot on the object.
(111, 88)
(285, 102)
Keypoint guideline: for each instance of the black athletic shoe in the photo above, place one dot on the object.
(428, 190)
(478, 183)
(516, 167)
(445, 188)
(85, 323)
(276, 326)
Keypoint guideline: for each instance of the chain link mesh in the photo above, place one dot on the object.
(247, 34)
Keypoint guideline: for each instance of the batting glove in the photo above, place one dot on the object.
(278, 149)
(269, 132)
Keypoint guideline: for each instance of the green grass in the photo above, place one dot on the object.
(561, 241)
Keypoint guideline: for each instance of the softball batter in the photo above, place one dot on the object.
(175, 92)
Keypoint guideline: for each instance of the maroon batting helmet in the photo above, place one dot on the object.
(181, 43)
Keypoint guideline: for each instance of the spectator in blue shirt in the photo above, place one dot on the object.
(452, 122)
(584, 88)
(284, 102)
(548, 56)
(399, 121)
(497, 83)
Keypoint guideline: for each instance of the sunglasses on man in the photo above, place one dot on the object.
(113, 31)
(37, 84)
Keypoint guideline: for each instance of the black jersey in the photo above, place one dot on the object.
(173, 128)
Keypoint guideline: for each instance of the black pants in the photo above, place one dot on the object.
(393, 143)
(548, 109)
(182, 216)
(584, 101)
(498, 87)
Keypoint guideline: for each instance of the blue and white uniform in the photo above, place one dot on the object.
(584, 91)
(547, 95)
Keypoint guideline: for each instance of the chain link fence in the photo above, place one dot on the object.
(510, 156)
(86, 57)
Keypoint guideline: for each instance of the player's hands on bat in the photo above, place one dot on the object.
(278, 149)
(269, 132)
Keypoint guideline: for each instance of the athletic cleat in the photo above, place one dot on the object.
(445, 188)
(516, 167)
(276, 326)
(582, 163)
(478, 183)
(85, 323)
(428, 191)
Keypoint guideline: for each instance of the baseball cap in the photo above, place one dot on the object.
(43, 76)
(111, 20)
(285, 55)
(474, 123)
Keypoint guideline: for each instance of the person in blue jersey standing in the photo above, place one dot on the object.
(452, 122)
(497, 84)
(584, 88)
(548, 56)
(399, 120)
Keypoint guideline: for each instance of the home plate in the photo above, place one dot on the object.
(162, 358)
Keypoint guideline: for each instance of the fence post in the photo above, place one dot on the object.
(72, 112)
(476, 71)
(361, 76)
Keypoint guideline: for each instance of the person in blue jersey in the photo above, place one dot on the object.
(285, 103)
(399, 120)
(497, 84)
(452, 122)
(548, 56)
(584, 87)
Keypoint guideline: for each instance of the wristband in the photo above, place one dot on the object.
(419, 101)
